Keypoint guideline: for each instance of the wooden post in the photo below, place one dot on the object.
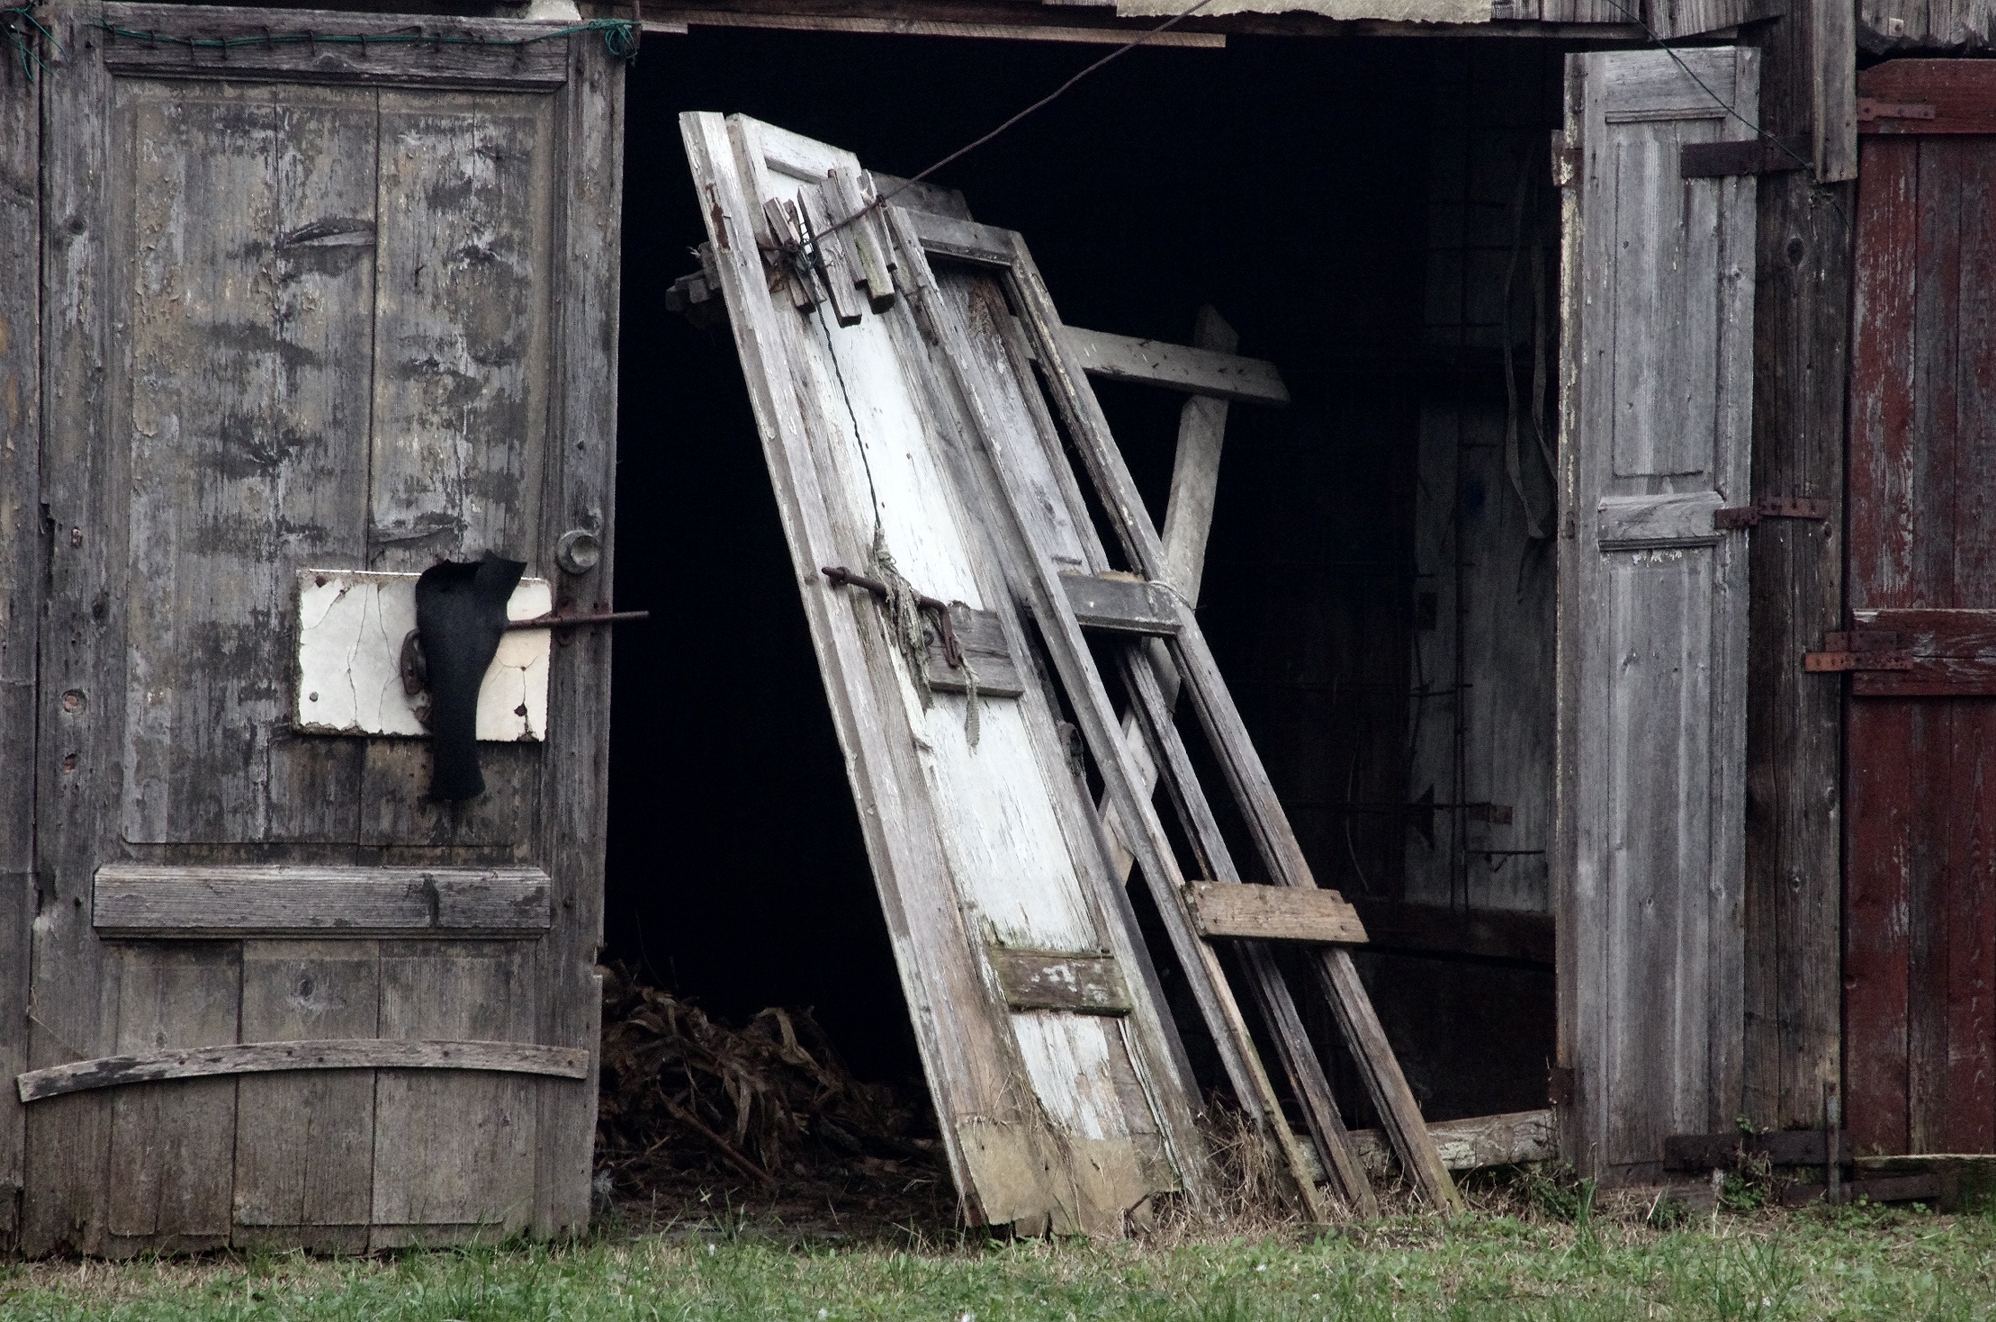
(21, 543)
(1794, 719)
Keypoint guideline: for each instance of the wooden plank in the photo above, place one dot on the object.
(1901, 1189)
(1276, 913)
(456, 1148)
(1477, 1143)
(1124, 605)
(82, 651)
(1195, 468)
(837, 268)
(1082, 983)
(582, 488)
(913, 26)
(1224, 729)
(150, 900)
(21, 576)
(851, 195)
(1176, 367)
(480, 53)
(1652, 793)
(269, 1057)
(171, 1145)
(1683, 18)
(981, 635)
(305, 1139)
(248, 396)
(964, 239)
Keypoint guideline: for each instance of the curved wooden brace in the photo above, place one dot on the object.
(269, 1057)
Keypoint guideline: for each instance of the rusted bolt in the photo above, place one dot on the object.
(73, 700)
(69, 763)
(76, 536)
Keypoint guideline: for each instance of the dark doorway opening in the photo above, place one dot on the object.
(1294, 186)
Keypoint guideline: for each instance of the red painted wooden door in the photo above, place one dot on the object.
(1920, 719)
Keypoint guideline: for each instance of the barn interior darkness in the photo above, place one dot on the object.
(1372, 215)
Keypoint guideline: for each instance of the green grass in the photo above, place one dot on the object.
(1902, 1266)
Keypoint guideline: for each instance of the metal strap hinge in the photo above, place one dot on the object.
(1770, 507)
(1859, 649)
(1871, 108)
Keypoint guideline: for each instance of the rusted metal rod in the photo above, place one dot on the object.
(557, 620)
(842, 577)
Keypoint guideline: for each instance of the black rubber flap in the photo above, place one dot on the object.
(460, 617)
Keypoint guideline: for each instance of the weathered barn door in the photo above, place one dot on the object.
(323, 292)
(1658, 368)
(1920, 720)
(1063, 1096)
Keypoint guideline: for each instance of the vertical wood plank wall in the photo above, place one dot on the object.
(20, 583)
(1794, 826)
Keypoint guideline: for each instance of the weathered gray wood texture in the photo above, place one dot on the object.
(310, 311)
(1276, 913)
(1802, 325)
(153, 901)
(1910, 27)
(287, 1056)
(1049, 1118)
(1650, 867)
(22, 543)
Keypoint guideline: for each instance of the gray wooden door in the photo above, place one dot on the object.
(312, 303)
(1063, 1099)
(1658, 372)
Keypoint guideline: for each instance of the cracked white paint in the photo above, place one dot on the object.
(350, 631)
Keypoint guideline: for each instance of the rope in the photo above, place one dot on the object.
(23, 41)
(620, 38)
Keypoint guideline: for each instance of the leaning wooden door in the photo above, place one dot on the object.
(1063, 1096)
(1920, 716)
(1657, 378)
(324, 295)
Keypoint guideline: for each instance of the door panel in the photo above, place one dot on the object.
(1920, 788)
(299, 313)
(1658, 326)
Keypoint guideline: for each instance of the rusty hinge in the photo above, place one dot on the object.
(1871, 108)
(1770, 507)
(1859, 649)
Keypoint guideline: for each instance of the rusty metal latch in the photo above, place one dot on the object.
(415, 669)
(1871, 108)
(1859, 649)
(841, 577)
(1770, 507)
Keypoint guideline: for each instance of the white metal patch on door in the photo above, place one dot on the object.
(351, 629)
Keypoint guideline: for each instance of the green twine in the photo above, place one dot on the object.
(620, 38)
(22, 40)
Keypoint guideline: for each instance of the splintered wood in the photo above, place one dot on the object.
(906, 370)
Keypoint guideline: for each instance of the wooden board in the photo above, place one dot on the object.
(311, 324)
(1050, 980)
(1657, 381)
(1177, 367)
(1919, 922)
(967, 843)
(21, 578)
(1476, 1143)
(1121, 605)
(1276, 913)
(152, 901)
(1802, 333)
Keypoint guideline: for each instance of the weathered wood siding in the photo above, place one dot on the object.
(1652, 605)
(22, 540)
(314, 311)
